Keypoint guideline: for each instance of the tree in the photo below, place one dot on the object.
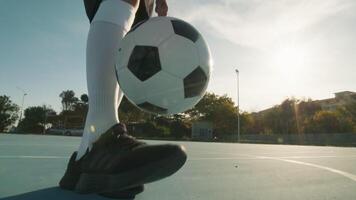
(219, 110)
(179, 126)
(287, 120)
(80, 108)
(84, 98)
(8, 112)
(308, 108)
(130, 113)
(248, 123)
(349, 110)
(328, 122)
(74, 110)
(35, 120)
(68, 99)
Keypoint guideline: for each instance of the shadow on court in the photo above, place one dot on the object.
(53, 193)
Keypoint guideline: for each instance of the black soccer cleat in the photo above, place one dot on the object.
(72, 175)
(119, 163)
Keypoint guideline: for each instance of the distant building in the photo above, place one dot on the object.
(340, 99)
(202, 130)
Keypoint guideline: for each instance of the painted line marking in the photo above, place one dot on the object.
(264, 157)
(38, 145)
(223, 158)
(287, 157)
(37, 157)
(336, 171)
(196, 158)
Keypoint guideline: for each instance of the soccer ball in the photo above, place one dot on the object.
(163, 65)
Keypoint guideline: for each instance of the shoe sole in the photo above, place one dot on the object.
(113, 183)
(70, 178)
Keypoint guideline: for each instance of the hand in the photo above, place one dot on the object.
(161, 7)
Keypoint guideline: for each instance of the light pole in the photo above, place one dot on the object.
(44, 119)
(23, 101)
(238, 106)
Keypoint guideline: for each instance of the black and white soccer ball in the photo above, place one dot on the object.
(163, 65)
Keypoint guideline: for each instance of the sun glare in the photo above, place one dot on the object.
(288, 63)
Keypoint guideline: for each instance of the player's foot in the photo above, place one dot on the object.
(72, 175)
(118, 162)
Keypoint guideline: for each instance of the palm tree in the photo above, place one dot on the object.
(68, 99)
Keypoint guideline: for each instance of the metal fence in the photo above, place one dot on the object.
(336, 139)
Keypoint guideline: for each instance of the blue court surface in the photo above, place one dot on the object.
(31, 166)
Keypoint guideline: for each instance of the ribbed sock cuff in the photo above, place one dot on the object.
(116, 12)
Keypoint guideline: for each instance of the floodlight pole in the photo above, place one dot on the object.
(23, 101)
(238, 106)
(45, 119)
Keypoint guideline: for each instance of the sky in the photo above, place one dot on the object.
(282, 48)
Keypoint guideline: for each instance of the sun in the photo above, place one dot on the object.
(289, 59)
(288, 63)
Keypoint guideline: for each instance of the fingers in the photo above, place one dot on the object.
(162, 12)
(161, 7)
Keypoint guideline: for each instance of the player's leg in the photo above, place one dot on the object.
(108, 26)
(113, 161)
(110, 23)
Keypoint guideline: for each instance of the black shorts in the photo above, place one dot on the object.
(91, 6)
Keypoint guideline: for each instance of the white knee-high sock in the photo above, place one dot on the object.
(111, 22)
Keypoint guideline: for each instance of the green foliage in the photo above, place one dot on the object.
(282, 118)
(219, 110)
(328, 122)
(349, 111)
(8, 112)
(35, 120)
(178, 125)
(308, 108)
(147, 129)
(84, 98)
(299, 116)
(74, 111)
(128, 113)
(248, 123)
(81, 107)
(292, 116)
(68, 99)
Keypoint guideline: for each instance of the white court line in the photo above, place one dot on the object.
(287, 157)
(222, 158)
(202, 158)
(36, 157)
(38, 145)
(336, 171)
(249, 157)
